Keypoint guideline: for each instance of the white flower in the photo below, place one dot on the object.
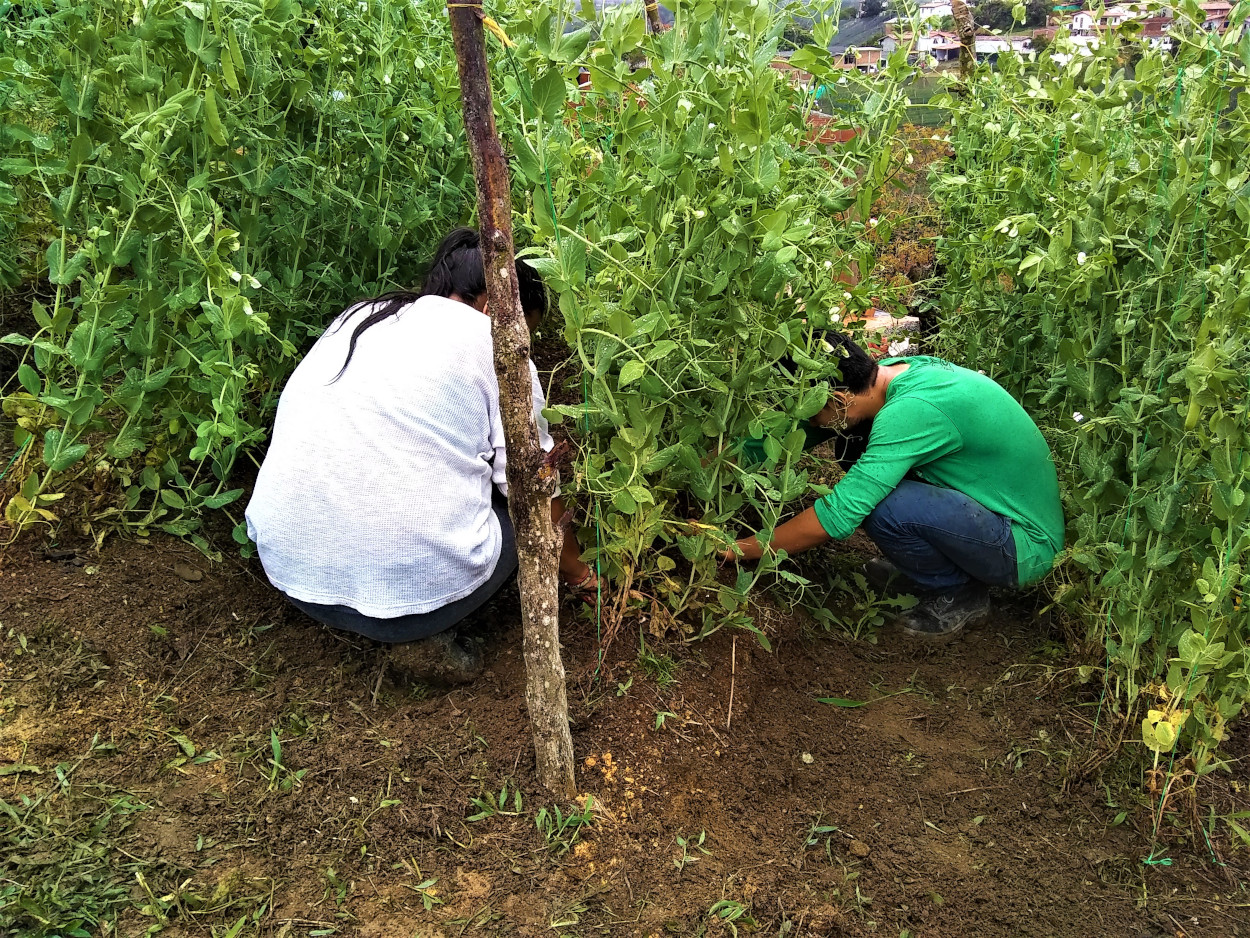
(898, 348)
(935, 137)
(338, 95)
(910, 159)
(872, 222)
(1081, 258)
(353, 799)
(834, 310)
(711, 126)
(1014, 232)
(845, 295)
(1077, 416)
(386, 79)
(235, 276)
(253, 283)
(835, 318)
(699, 213)
(247, 308)
(683, 103)
(828, 265)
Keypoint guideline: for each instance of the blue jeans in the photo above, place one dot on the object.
(411, 628)
(942, 538)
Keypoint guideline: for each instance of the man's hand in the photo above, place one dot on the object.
(800, 533)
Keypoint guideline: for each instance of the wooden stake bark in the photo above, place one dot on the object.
(967, 30)
(653, 14)
(530, 484)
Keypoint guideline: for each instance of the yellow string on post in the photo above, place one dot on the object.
(487, 21)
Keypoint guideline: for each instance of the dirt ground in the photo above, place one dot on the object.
(142, 689)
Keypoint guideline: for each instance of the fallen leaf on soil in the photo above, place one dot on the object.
(18, 768)
(841, 702)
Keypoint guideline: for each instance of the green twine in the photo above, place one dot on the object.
(21, 449)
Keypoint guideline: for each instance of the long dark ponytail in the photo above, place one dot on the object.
(456, 270)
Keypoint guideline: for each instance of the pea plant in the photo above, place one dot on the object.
(695, 238)
(218, 179)
(1097, 266)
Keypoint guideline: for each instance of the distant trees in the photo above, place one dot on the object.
(797, 35)
(871, 7)
(996, 14)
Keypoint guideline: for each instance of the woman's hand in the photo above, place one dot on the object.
(582, 580)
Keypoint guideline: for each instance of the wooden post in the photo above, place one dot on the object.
(653, 14)
(967, 30)
(529, 487)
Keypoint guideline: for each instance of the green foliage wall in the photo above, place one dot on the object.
(1098, 266)
(221, 178)
(694, 239)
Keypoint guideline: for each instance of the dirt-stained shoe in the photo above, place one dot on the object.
(941, 616)
(439, 660)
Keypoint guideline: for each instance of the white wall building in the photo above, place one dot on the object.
(937, 8)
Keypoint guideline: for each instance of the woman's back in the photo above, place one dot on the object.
(376, 490)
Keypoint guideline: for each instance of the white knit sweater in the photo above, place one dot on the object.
(376, 490)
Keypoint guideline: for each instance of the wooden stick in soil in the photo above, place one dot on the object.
(530, 482)
(967, 30)
(652, 8)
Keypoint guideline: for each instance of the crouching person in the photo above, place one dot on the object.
(380, 507)
(945, 472)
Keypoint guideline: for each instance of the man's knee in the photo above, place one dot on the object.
(888, 517)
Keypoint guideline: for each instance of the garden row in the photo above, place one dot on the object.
(205, 185)
(1097, 261)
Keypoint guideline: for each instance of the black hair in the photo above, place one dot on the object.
(856, 369)
(457, 269)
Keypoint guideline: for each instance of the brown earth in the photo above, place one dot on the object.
(959, 801)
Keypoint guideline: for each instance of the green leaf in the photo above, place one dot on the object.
(814, 400)
(29, 379)
(624, 503)
(173, 499)
(530, 166)
(631, 371)
(550, 94)
(20, 768)
(184, 744)
(842, 702)
(56, 455)
(60, 273)
(222, 499)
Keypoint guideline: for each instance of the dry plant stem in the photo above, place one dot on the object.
(733, 676)
(529, 488)
(967, 30)
(652, 8)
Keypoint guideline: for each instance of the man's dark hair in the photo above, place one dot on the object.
(457, 269)
(857, 371)
(857, 367)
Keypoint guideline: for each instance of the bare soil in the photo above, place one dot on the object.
(966, 797)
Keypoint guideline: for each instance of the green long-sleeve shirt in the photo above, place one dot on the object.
(958, 429)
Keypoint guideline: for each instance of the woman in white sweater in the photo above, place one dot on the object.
(380, 507)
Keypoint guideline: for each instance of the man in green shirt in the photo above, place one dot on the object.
(956, 485)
